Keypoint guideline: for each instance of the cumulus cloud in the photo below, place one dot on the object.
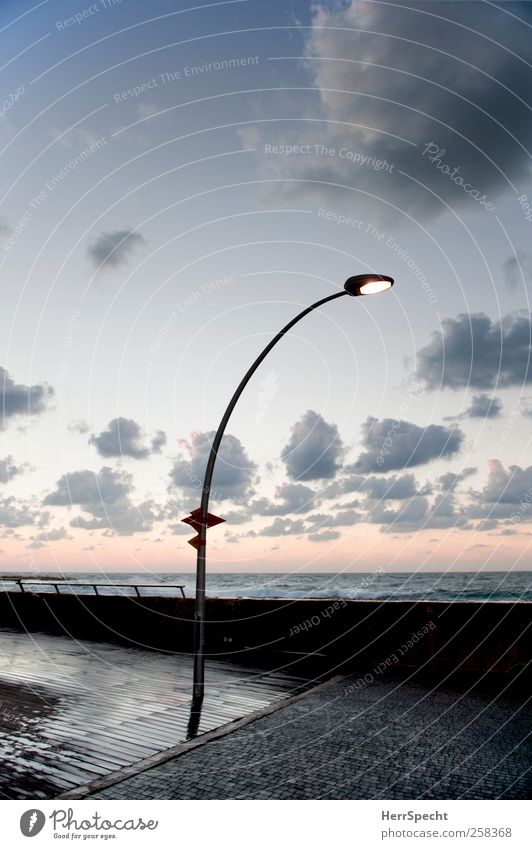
(16, 399)
(324, 536)
(14, 514)
(114, 249)
(86, 487)
(234, 473)
(8, 469)
(281, 527)
(506, 497)
(506, 486)
(395, 487)
(314, 450)
(105, 496)
(121, 438)
(334, 519)
(419, 514)
(465, 97)
(450, 480)
(517, 269)
(51, 535)
(78, 426)
(483, 407)
(472, 350)
(396, 444)
(291, 498)
(158, 442)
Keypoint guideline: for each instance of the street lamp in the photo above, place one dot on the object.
(201, 519)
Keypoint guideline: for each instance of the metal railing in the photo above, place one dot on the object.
(27, 582)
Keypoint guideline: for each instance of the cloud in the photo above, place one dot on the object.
(419, 514)
(392, 79)
(483, 407)
(158, 442)
(16, 399)
(293, 498)
(314, 450)
(122, 438)
(394, 487)
(281, 527)
(105, 496)
(334, 519)
(506, 486)
(8, 469)
(52, 535)
(324, 536)
(506, 497)
(450, 480)
(13, 514)
(234, 473)
(397, 444)
(86, 487)
(471, 350)
(78, 426)
(518, 269)
(112, 250)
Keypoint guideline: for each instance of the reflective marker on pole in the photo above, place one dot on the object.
(194, 520)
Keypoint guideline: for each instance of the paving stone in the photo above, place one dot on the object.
(389, 740)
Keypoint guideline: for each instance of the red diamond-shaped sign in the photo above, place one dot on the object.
(194, 520)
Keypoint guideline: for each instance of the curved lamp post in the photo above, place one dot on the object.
(361, 284)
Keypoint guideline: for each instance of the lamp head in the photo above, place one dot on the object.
(368, 284)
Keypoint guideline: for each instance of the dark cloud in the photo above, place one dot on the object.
(334, 519)
(158, 442)
(450, 480)
(394, 487)
(105, 496)
(472, 350)
(281, 527)
(122, 438)
(314, 450)
(8, 469)
(14, 514)
(112, 250)
(16, 399)
(409, 516)
(85, 487)
(292, 498)
(467, 96)
(419, 514)
(517, 270)
(324, 536)
(396, 444)
(483, 407)
(509, 486)
(234, 473)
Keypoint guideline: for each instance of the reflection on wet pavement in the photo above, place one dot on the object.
(73, 711)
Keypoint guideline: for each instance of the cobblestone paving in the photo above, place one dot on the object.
(390, 740)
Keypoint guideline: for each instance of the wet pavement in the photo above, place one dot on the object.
(73, 711)
(392, 739)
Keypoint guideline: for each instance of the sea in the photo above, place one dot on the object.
(379, 585)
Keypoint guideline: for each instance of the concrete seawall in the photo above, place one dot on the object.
(469, 636)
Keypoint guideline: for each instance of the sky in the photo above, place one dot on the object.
(177, 182)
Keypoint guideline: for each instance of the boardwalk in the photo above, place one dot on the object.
(71, 711)
(390, 740)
